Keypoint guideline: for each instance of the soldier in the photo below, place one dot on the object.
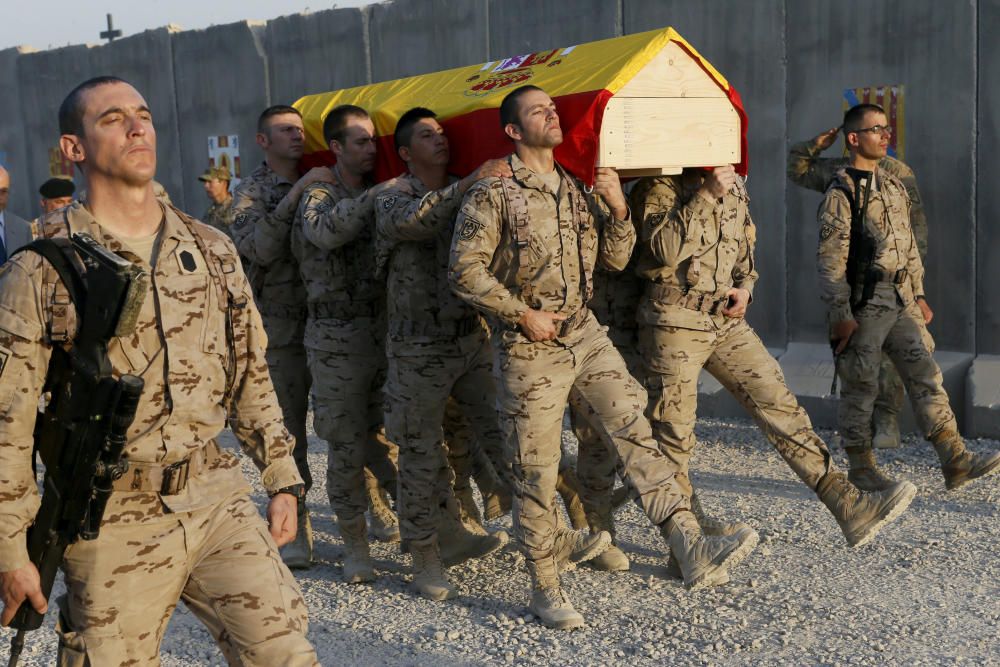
(198, 536)
(806, 169)
(523, 252)
(220, 212)
(56, 193)
(15, 231)
(878, 303)
(262, 209)
(696, 255)
(333, 242)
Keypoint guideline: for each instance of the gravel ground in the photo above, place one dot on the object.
(924, 593)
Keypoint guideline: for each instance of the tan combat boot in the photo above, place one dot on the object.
(572, 547)
(496, 504)
(548, 601)
(470, 511)
(611, 559)
(358, 566)
(885, 429)
(711, 527)
(297, 554)
(861, 514)
(863, 471)
(568, 488)
(429, 578)
(384, 524)
(960, 466)
(704, 561)
(461, 540)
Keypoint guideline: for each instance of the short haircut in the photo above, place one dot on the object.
(263, 126)
(854, 116)
(404, 128)
(71, 109)
(335, 122)
(509, 107)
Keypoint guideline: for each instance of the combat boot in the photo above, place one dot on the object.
(861, 514)
(548, 601)
(358, 566)
(429, 578)
(960, 466)
(496, 497)
(568, 488)
(704, 561)
(460, 542)
(470, 511)
(611, 559)
(297, 554)
(496, 504)
(711, 527)
(863, 471)
(385, 524)
(572, 547)
(885, 429)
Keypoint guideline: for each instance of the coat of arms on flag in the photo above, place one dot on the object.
(889, 98)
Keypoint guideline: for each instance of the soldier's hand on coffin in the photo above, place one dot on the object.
(718, 182)
(314, 175)
(283, 518)
(925, 310)
(609, 186)
(17, 585)
(539, 325)
(825, 140)
(396, 183)
(488, 169)
(841, 333)
(739, 299)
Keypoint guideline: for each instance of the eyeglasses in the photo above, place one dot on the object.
(876, 129)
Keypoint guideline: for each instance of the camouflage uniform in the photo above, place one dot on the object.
(806, 169)
(262, 221)
(201, 541)
(220, 216)
(438, 347)
(552, 269)
(692, 252)
(333, 242)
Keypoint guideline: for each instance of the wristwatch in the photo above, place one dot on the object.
(297, 490)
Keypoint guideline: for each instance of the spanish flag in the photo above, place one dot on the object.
(581, 79)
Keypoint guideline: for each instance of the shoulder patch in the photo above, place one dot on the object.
(241, 220)
(388, 202)
(827, 230)
(470, 228)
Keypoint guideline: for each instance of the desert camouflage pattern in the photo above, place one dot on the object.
(333, 243)
(535, 378)
(220, 216)
(890, 321)
(705, 247)
(262, 217)
(180, 350)
(438, 347)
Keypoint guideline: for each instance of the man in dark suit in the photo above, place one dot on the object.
(14, 231)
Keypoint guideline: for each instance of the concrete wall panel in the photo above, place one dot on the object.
(420, 36)
(745, 41)
(988, 166)
(524, 26)
(315, 53)
(23, 198)
(221, 79)
(930, 48)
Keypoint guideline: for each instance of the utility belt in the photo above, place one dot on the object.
(167, 479)
(711, 303)
(895, 277)
(283, 311)
(453, 328)
(343, 310)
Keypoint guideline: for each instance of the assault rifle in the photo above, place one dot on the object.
(82, 433)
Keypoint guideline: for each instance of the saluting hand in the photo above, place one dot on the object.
(609, 186)
(825, 140)
(539, 325)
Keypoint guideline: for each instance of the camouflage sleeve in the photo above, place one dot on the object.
(914, 261)
(831, 256)
(809, 171)
(24, 359)
(617, 237)
(400, 216)
(330, 224)
(918, 221)
(671, 229)
(256, 419)
(261, 237)
(745, 272)
(474, 243)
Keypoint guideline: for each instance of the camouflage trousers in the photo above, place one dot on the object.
(890, 388)
(468, 458)
(737, 358)
(220, 560)
(885, 325)
(534, 384)
(348, 375)
(290, 375)
(421, 378)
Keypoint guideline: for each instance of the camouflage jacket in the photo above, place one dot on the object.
(806, 169)
(180, 350)
(414, 238)
(262, 222)
(333, 240)
(560, 256)
(888, 220)
(220, 216)
(693, 248)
